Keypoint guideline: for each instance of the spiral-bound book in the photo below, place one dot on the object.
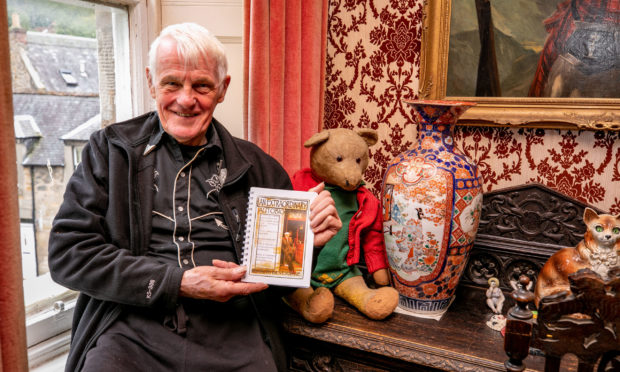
(278, 239)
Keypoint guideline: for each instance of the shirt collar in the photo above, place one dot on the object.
(213, 138)
(155, 139)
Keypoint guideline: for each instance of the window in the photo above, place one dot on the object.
(77, 155)
(67, 76)
(70, 66)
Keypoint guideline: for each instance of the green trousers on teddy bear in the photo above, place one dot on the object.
(333, 272)
(331, 267)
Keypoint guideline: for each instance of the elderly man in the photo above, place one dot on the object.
(150, 230)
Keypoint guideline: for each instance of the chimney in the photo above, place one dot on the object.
(18, 34)
(20, 75)
(15, 21)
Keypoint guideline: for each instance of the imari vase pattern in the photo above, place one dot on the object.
(432, 198)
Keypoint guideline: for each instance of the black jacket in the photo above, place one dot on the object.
(102, 230)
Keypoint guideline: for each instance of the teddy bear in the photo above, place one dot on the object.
(339, 157)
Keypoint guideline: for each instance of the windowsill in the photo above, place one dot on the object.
(50, 355)
(49, 309)
(49, 312)
(42, 292)
(54, 365)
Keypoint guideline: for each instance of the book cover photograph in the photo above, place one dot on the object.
(278, 239)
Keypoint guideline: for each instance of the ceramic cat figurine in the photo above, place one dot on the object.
(597, 251)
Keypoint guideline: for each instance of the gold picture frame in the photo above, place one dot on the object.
(551, 113)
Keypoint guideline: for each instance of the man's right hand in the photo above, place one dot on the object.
(219, 282)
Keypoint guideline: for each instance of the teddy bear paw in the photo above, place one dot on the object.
(319, 306)
(382, 303)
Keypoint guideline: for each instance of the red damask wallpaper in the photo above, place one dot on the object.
(373, 57)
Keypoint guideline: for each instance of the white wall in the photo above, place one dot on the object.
(224, 18)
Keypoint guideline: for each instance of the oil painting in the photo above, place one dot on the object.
(534, 48)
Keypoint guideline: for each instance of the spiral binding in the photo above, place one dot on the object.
(247, 240)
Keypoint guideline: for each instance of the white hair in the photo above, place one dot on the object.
(193, 41)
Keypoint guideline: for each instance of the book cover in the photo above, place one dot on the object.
(278, 239)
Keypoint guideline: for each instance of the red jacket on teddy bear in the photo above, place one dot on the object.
(365, 228)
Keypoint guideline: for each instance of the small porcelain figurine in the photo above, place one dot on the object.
(495, 297)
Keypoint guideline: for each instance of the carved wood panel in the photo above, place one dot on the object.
(532, 213)
(520, 228)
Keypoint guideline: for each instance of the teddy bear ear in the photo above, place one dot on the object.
(369, 135)
(317, 139)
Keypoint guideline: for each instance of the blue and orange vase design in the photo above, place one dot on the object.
(432, 198)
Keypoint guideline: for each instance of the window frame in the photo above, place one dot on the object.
(76, 155)
(49, 317)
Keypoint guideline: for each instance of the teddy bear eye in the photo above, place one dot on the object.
(339, 158)
(358, 160)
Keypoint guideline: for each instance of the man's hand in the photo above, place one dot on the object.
(219, 282)
(324, 219)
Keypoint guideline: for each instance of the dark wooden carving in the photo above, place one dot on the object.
(460, 341)
(482, 267)
(519, 327)
(590, 335)
(585, 323)
(315, 362)
(484, 264)
(312, 355)
(520, 228)
(532, 212)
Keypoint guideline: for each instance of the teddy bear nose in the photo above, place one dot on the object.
(350, 184)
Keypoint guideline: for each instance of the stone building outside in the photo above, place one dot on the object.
(56, 105)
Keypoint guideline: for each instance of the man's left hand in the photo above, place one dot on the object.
(324, 219)
(219, 282)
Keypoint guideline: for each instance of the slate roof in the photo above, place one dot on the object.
(55, 116)
(83, 131)
(52, 53)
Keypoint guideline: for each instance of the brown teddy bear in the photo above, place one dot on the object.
(339, 158)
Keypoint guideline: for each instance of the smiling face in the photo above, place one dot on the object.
(186, 94)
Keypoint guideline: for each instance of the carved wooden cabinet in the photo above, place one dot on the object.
(460, 341)
(520, 228)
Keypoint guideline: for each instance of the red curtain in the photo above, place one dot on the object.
(284, 76)
(13, 355)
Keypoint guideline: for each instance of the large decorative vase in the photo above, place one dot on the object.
(432, 197)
